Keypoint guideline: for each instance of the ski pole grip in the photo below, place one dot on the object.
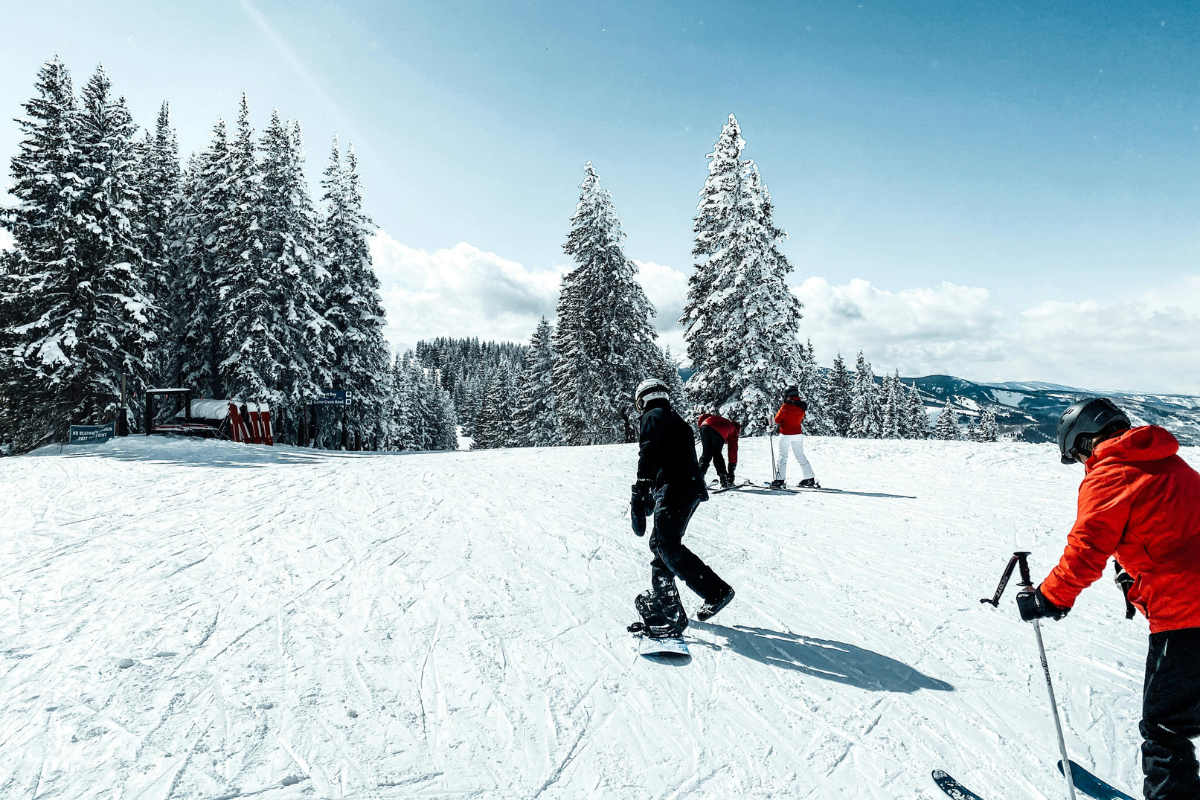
(1022, 557)
(1018, 557)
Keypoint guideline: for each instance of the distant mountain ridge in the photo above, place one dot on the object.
(1029, 411)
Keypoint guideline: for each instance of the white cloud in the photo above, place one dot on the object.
(1148, 342)
(1145, 342)
(919, 331)
(459, 291)
(465, 291)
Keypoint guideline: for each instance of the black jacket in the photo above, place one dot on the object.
(667, 456)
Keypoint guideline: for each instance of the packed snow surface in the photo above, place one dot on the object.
(201, 619)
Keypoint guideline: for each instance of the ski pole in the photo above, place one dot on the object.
(1020, 559)
(774, 469)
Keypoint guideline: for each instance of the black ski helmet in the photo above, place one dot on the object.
(1085, 420)
(647, 390)
(791, 391)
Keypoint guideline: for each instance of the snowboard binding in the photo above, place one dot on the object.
(661, 611)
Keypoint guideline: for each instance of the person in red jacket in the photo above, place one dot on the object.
(717, 432)
(790, 419)
(1140, 503)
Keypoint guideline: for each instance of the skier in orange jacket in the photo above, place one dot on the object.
(1140, 502)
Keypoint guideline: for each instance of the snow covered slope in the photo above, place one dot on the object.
(206, 620)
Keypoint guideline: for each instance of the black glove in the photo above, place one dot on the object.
(641, 504)
(1125, 582)
(1034, 605)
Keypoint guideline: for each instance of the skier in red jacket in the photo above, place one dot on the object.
(717, 432)
(790, 419)
(1140, 502)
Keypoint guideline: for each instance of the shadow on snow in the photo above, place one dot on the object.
(821, 658)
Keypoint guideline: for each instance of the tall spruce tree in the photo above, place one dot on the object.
(537, 421)
(292, 257)
(82, 319)
(38, 306)
(359, 354)
(866, 421)
(836, 398)
(202, 246)
(160, 182)
(604, 341)
(246, 324)
(740, 321)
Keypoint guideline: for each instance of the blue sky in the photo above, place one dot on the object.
(1041, 160)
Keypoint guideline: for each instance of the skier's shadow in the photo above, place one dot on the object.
(821, 658)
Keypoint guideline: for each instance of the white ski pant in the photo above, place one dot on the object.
(795, 443)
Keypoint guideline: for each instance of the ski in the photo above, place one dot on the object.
(1092, 786)
(952, 787)
(722, 490)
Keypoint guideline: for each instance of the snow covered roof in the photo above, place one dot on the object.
(207, 409)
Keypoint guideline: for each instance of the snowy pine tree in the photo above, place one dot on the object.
(989, 430)
(292, 260)
(672, 378)
(497, 423)
(160, 181)
(75, 299)
(918, 420)
(359, 355)
(893, 410)
(537, 421)
(947, 423)
(865, 415)
(812, 389)
(201, 247)
(836, 398)
(972, 433)
(246, 324)
(36, 304)
(740, 320)
(603, 342)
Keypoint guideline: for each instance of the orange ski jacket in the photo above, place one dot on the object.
(1140, 502)
(790, 417)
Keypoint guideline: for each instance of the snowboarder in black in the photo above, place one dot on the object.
(669, 486)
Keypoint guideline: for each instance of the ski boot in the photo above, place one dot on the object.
(775, 484)
(710, 609)
(809, 483)
(726, 481)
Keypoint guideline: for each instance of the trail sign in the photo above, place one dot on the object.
(92, 434)
(332, 398)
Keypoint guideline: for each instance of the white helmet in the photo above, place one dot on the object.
(647, 390)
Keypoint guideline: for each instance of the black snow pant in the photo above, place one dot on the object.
(673, 560)
(1171, 716)
(712, 444)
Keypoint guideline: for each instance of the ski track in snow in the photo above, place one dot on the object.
(307, 624)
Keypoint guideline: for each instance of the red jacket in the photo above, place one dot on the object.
(729, 431)
(1140, 502)
(790, 417)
